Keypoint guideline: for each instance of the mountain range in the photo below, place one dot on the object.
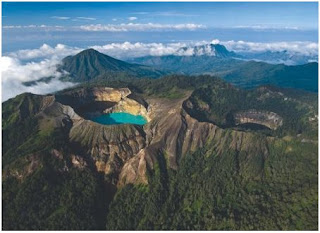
(217, 60)
(273, 57)
(213, 59)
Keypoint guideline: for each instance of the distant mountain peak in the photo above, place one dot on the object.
(90, 52)
(91, 64)
(213, 50)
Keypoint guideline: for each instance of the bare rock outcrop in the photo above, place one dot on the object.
(268, 119)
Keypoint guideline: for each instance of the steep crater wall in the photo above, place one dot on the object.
(93, 102)
(109, 146)
(265, 118)
(249, 119)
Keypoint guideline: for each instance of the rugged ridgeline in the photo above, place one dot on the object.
(210, 157)
(238, 70)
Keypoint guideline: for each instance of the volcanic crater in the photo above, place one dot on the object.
(92, 103)
(126, 152)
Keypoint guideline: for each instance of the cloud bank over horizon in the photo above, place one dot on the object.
(32, 64)
(138, 49)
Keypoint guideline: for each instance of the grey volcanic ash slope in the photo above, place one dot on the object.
(196, 136)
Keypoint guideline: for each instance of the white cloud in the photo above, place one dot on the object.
(20, 26)
(132, 18)
(215, 41)
(14, 88)
(123, 27)
(42, 27)
(60, 17)
(45, 51)
(131, 50)
(13, 74)
(141, 27)
(11, 68)
(85, 18)
(300, 47)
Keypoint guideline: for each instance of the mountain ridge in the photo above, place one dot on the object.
(90, 64)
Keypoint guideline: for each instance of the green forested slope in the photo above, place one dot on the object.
(228, 191)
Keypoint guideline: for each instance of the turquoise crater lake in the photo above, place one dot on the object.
(118, 118)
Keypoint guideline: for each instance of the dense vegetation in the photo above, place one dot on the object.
(224, 102)
(229, 191)
(53, 199)
(47, 193)
(18, 124)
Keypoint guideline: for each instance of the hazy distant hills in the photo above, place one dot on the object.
(189, 64)
(273, 57)
(251, 74)
(217, 60)
(91, 64)
(280, 57)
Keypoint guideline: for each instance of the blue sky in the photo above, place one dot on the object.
(232, 14)
(36, 36)
(27, 25)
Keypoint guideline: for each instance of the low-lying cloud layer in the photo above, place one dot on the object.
(130, 50)
(14, 74)
(45, 51)
(301, 47)
(33, 64)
